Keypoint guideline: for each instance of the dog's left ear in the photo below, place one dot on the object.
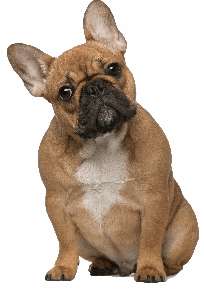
(99, 25)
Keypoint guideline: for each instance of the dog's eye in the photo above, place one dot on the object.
(113, 69)
(65, 92)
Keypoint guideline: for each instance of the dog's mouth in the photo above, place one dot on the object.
(103, 108)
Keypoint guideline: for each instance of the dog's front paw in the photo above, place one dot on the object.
(149, 274)
(60, 273)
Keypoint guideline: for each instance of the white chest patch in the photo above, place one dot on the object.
(102, 173)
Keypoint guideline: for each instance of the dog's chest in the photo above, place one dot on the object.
(102, 176)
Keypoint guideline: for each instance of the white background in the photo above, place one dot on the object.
(166, 55)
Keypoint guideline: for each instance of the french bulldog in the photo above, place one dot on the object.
(106, 164)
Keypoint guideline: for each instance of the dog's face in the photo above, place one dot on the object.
(90, 87)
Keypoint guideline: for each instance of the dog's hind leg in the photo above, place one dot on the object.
(100, 265)
(180, 239)
(103, 267)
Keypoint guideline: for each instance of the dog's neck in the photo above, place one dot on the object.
(86, 148)
(109, 141)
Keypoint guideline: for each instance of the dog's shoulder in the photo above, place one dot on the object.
(150, 146)
(50, 139)
(144, 129)
(57, 155)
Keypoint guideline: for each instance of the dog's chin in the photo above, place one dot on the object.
(93, 134)
(102, 129)
(85, 134)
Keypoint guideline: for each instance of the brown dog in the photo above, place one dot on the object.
(105, 162)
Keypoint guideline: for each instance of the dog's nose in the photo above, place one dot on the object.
(96, 87)
(93, 90)
(107, 118)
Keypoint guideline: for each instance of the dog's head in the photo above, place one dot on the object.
(90, 87)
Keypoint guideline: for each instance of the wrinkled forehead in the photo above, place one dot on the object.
(83, 61)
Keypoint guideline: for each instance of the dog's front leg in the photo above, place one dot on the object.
(154, 214)
(67, 262)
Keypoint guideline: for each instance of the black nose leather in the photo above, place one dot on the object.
(93, 90)
(107, 118)
(96, 87)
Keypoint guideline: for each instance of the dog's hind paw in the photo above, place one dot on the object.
(103, 267)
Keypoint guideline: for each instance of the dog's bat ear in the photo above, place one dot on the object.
(31, 64)
(99, 25)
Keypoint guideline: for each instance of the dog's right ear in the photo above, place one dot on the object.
(32, 65)
(99, 25)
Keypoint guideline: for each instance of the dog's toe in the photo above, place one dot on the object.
(48, 277)
(150, 275)
(60, 273)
